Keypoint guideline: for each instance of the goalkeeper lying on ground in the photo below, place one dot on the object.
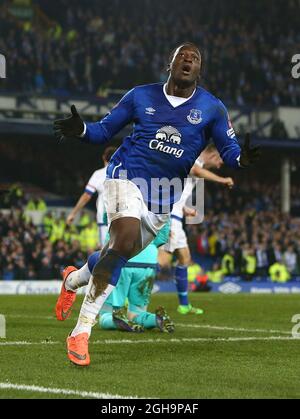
(135, 285)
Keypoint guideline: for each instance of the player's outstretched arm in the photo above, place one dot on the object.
(212, 177)
(97, 132)
(81, 203)
(227, 144)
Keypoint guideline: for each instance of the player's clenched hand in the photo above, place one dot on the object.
(189, 212)
(229, 182)
(249, 156)
(69, 127)
(70, 219)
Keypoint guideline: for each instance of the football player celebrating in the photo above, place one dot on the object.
(173, 124)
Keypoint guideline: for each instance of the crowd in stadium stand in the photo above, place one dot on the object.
(243, 234)
(249, 244)
(41, 252)
(90, 46)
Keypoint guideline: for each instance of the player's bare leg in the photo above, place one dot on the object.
(164, 259)
(183, 256)
(125, 242)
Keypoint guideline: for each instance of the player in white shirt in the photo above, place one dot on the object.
(178, 243)
(95, 185)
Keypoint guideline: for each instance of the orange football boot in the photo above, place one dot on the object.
(78, 349)
(66, 299)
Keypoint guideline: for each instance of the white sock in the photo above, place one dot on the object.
(90, 309)
(78, 279)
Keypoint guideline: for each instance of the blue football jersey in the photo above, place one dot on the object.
(166, 140)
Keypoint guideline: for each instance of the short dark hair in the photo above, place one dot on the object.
(108, 153)
(184, 44)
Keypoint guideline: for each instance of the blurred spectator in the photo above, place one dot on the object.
(84, 220)
(262, 260)
(228, 264)
(290, 259)
(36, 204)
(250, 265)
(46, 270)
(216, 275)
(8, 272)
(14, 198)
(279, 273)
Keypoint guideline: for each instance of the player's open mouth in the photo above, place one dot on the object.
(186, 69)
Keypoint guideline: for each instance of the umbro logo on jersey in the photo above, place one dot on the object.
(195, 117)
(150, 111)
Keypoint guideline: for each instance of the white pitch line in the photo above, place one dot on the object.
(199, 340)
(26, 343)
(232, 329)
(47, 390)
(167, 341)
(26, 317)
(194, 326)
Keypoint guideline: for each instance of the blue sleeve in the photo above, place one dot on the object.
(120, 116)
(224, 137)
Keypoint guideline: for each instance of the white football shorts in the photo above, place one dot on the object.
(103, 230)
(122, 198)
(178, 239)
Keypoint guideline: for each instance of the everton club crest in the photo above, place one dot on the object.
(195, 117)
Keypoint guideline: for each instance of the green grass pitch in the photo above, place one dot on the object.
(242, 347)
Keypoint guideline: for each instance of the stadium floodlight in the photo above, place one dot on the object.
(2, 67)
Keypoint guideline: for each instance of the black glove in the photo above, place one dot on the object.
(249, 156)
(69, 127)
